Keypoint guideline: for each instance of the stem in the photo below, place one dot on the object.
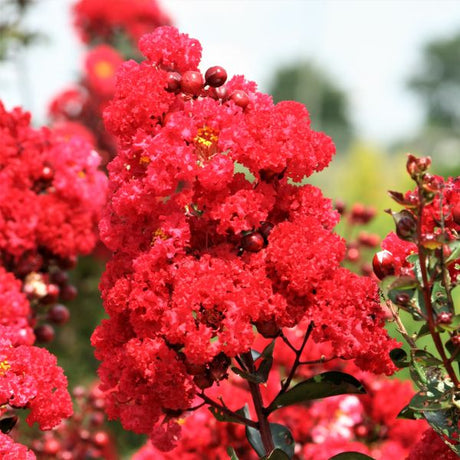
(298, 353)
(401, 329)
(227, 411)
(262, 420)
(426, 288)
(321, 360)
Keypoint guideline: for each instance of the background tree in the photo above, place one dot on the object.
(326, 101)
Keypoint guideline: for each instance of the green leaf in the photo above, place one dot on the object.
(422, 402)
(255, 378)
(351, 456)
(223, 417)
(320, 386)
(455, 254)
(399, 358)
(282, 439)
(231, 453)
(453, 350)
(445, 423)
(424, 364)
(277, 454)
(409, 414)
(424, 330)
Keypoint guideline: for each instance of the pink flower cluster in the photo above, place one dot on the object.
(211, 237)
(51, 195)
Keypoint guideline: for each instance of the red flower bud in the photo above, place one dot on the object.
(51, 447)
(47, 174)
(253, 242)
(44, 333)
(402, 299)
(415, 166)
(406, 225)
(216, 76)
(383, 264)
(353, 254)
(265, 229)
(58, 314)
(340, 206)
(218, 93)
(203, 381)
(240, 98)
(192, 82)
(456, 212)
(268, 329)
(101, 438)
(444, 318)
(68, 293)
(173, 82)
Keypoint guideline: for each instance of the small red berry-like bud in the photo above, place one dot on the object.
(51, 447)
(215, 76)
(67, 263)
(79, 391)
(353, 254)
(268, 329)
(218, 366)
(369, 214)
(192, 82)
(58, 314)
(203, 381)
(253, 242)
(101, 438)
(47, 174)
(173, 82)
(68, 292)
(431, 183)
(383, 264)
(59, 277)
(444, 318)
(340, 206)
(370, 240)
(97, 419)
(218, 93)
(84, 434)
(456, 340)
(402, 299)
(265, 229)
(52, 294)
(415, 166)
(366, 269)
(456, 212)
(406, 225)
(44, 333)
(240, 98)
(361, 431)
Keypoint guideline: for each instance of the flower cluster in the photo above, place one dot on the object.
(51, 195)
(102, 20)
(111, 30)
(211, 237)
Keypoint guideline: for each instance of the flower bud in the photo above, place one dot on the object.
(383, 264)
(406, 225)
(44, 333)
(402, 299)
(192, 82)
(240, 98)
(173, 82)
(268, 329)
(216, 76)
(203, 381)
(415, 166)
(58, 314)
(444, 317)
(456, 212)
(265, 229)
(253, 242)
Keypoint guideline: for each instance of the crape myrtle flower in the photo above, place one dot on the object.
(97, 20)
(213, 234)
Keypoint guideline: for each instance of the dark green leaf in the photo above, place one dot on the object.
(453, 350)
(445, 423)
(8, 423)
(399, 358)
(247, 375)
(223, 417)
(351, 456)
(232, 454)
(282, 439)
(264, 369)
(408, 414)
(422, 402)
(277, 454)
(424, 330)
(320, 386)
(404, 283)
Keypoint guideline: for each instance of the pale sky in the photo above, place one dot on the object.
(369, 46)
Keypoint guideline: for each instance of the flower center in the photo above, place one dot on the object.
(206, 143)
(104, 69)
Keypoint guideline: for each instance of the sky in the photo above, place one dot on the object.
(369, 47)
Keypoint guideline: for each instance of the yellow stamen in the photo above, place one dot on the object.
(144, 160)
(206, 142)
(159, 233)
(4, 367)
